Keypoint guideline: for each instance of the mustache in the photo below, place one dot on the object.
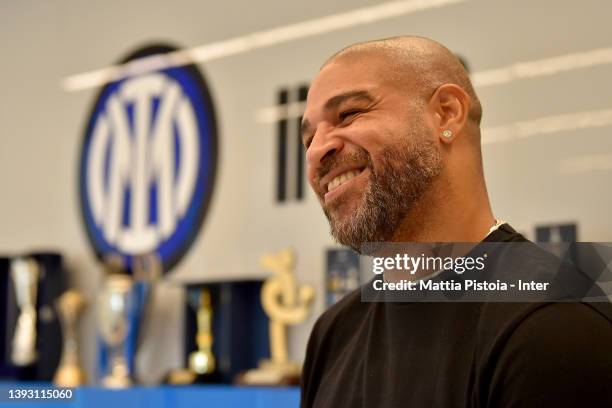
(331, 162)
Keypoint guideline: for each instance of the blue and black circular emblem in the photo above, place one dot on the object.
(148, 163)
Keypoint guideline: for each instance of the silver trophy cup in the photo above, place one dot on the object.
(113, 324)
(25, 273)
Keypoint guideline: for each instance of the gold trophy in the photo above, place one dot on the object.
(285, 304)
(25, 273)
(202, 361)
(70, 372)
(113, 323)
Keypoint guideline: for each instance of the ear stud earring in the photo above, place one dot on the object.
(447, 133)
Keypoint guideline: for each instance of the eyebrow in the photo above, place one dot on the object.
(335, 101)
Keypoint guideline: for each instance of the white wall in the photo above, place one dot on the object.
(42, 126)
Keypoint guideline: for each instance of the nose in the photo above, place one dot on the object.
(324, 144)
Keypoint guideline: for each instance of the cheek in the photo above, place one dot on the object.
(370, 133)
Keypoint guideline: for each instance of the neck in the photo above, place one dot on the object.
(445, 215)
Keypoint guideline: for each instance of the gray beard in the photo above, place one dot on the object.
(406, 174)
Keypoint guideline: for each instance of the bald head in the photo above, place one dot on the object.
(417, 63)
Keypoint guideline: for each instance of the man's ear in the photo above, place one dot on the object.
(450, 105)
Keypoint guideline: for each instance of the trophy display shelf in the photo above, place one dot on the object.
(167, 396)
(225, 330)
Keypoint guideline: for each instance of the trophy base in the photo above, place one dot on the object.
(116, 382)
(270, 373)
(180, 377)
(188, 377)
(69, 376)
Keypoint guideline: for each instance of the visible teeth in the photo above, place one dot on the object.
(341, 179)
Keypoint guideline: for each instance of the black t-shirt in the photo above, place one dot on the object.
(460, 354)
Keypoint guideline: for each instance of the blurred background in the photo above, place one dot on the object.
(541, 68)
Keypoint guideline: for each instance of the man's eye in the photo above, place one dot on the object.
(348, 114)
(307, 143)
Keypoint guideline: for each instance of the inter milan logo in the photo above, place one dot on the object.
(148, 163)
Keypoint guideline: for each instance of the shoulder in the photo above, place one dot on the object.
(557, 354)
(501, 323)
(561, 328)
(525, 261)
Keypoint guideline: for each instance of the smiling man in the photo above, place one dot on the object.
(392, 132)
(393, 145)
